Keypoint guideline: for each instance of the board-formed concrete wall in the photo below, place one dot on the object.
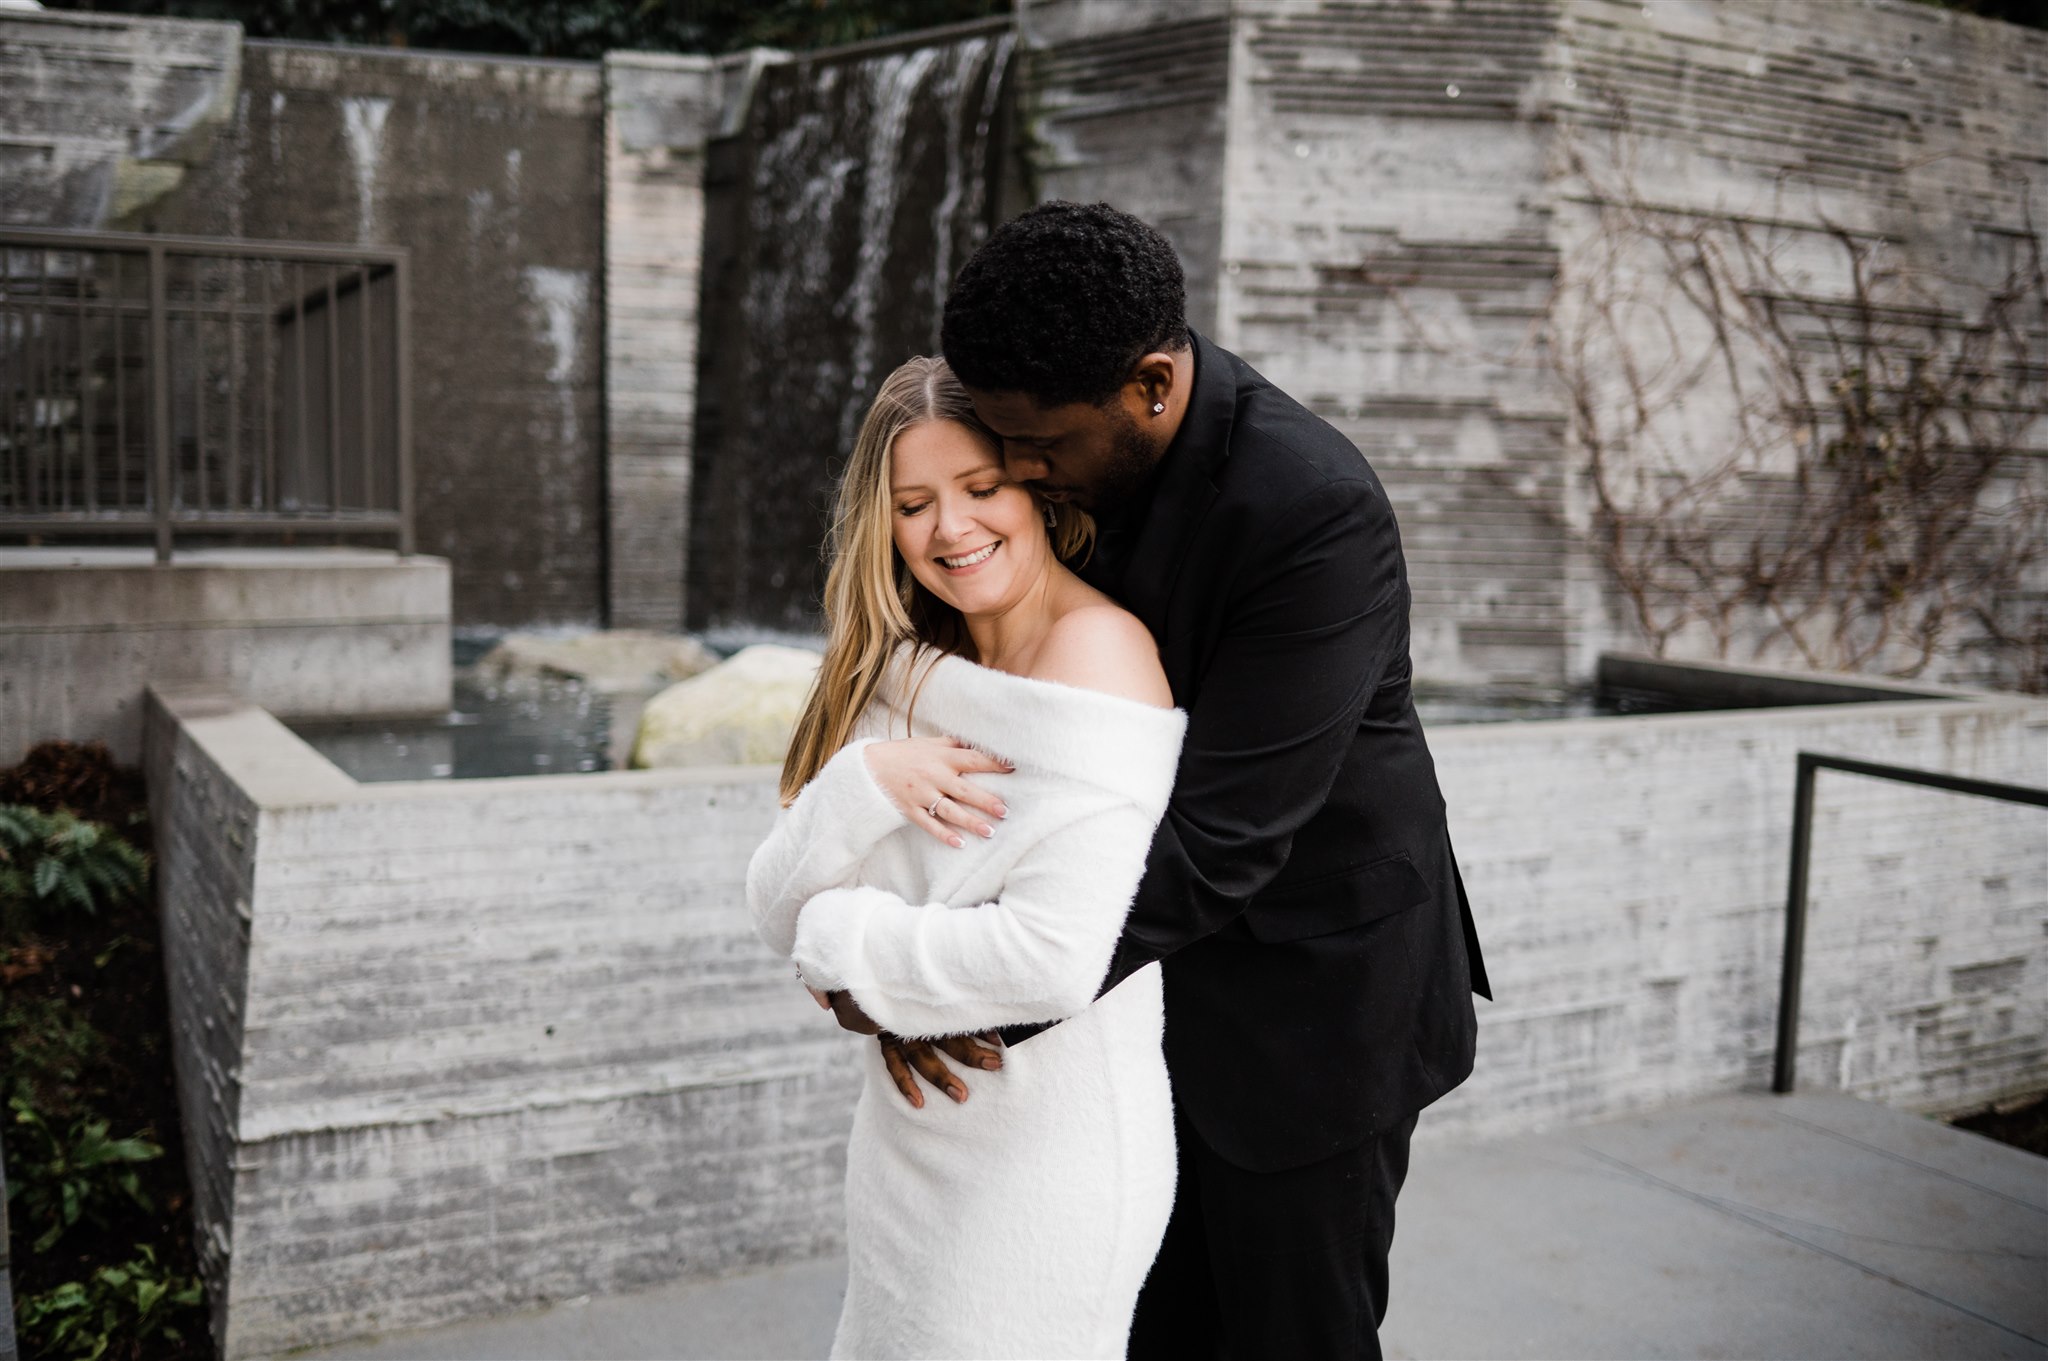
(105, 113)
(659, 113)
(1127, 101)
(204, 823)
(457, 1048)
(489, 170)
(1382, 141)
(305, 632)
(1907, 131)
(1629, 879)
(1395, 211)
(453, 1048)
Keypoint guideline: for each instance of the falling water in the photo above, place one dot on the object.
(276, 130)
(966, 197)
(362, 121)
(563, 298)
(850, 196)
(899, 81)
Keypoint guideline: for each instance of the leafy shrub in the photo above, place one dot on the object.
(50, 860)
(55, 1057)
(133, 1302)
(103, 1259)
(59, 1179)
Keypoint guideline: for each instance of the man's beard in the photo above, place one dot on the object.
(1128, 471)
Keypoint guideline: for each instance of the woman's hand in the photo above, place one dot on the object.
(926, 778)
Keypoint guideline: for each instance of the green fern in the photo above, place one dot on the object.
(51, 861)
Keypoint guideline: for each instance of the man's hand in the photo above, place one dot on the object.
(848, 1013)
(921, 1057)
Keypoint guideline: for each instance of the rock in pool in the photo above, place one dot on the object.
(740, 712)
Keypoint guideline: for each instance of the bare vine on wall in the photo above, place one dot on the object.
(1796, 439)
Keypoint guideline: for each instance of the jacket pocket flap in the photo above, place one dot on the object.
(1336, 902)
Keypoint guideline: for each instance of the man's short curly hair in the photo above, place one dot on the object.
(1060, 302)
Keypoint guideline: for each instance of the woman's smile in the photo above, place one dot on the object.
(964, 563)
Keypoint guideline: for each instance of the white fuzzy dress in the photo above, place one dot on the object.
(1021, 1223)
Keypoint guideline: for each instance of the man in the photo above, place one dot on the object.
(1301, 893)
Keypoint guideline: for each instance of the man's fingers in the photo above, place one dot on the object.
(899, 1073)
(924, 1057)
(976, 1051)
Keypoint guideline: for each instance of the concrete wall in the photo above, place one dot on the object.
(307, 632)
(659, 113)
(204, 823)
(1126, 101)
(458, 1047)
(1378, 141)
(1628, 876)
(1380, 204)
(105, 114)
(490, 170)
(1914, 132)
(1384, 207)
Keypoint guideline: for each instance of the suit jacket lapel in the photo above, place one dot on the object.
(1186, 488)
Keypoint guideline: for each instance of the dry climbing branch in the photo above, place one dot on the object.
(1851, 468)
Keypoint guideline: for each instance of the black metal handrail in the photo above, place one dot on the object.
(1784, 1068)
(156, 386)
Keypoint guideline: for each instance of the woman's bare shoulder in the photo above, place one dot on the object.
(1102, 646)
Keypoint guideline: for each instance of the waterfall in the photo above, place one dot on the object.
(966, 196)
(897, 80)
(362, 121)
(857, 185)
(562, 297)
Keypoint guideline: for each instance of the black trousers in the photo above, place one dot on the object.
(1274, 1266)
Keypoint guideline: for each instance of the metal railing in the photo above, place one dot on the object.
(159, 387)
(1784, 1066)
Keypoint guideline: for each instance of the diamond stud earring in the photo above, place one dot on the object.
(1158, 408)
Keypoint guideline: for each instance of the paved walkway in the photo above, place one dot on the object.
(1751, 1226)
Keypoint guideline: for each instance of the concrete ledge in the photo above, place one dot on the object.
(1628, 880)
(452, 1048)
(304, 632)
(1716, 685)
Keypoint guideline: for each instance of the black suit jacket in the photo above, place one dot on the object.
(1318, 954)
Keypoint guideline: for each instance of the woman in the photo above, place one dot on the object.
(1020, 1223)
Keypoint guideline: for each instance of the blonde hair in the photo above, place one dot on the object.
(873, 604)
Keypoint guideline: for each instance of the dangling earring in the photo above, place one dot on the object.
(1052, 519)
